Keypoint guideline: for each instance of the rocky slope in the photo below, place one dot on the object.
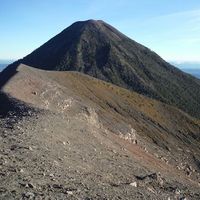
(66, 135)
(97, 49)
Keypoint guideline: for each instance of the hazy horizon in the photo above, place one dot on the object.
(190, 68)
(180, 65)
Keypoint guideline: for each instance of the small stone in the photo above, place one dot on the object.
(29, 195)
(30, 185)
(56, 162)
(151, 190)
(21, 170)
(70, 192)
(177, 192)
(57, 186)
(30, 148)
(145, 149)
(60, 159)
(34, 92)
(51, 175)
(5, 162)
(134, 184)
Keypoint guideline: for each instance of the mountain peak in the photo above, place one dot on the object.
(94, 26)
(90, 21)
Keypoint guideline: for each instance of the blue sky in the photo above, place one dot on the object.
(169, 27)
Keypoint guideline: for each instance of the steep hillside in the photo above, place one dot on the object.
(73, 136)
(97, 49)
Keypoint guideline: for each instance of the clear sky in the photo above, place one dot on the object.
(169, 27)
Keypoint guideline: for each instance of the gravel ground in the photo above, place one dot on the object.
(47, 155)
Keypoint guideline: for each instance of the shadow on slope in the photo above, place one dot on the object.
(11, 107)
(7, 74)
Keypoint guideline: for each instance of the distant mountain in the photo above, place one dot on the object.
(192, 68)
(194, 72)
(98, 49)
(4, 63)
(188, 65)
(2, 66)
